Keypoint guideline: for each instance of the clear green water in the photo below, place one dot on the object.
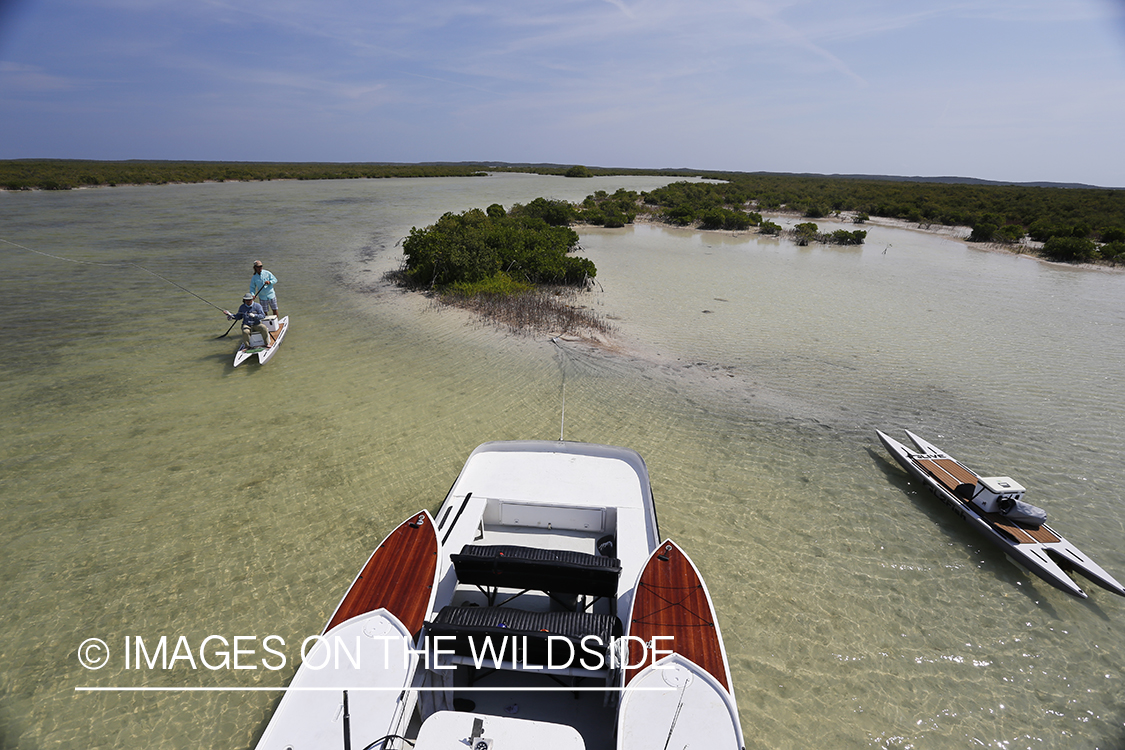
(148, 488)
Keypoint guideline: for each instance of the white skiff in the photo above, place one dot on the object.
(549, 558)
(257, 347)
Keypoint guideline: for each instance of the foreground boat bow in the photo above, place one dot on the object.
(986, 503)
(536, 560)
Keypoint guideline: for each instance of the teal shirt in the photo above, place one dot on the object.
(260, 280)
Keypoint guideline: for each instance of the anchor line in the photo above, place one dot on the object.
(562, 367)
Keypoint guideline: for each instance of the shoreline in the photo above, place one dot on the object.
(612, 341)
(1025, 249)
(731, 384)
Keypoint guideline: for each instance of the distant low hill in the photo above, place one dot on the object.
(961, 181)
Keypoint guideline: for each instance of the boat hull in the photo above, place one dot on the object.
(257, 346)
(1042, 551)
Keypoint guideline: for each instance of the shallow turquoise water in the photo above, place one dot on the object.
(150, 489)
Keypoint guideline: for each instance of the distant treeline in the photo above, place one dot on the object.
(65, 174)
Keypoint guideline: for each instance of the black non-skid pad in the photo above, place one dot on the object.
(470, 627)
(556, 571)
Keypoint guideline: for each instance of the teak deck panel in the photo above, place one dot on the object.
(1022, 534)
(399, 576)
(946, 469)
(670, 601)
(956, 470)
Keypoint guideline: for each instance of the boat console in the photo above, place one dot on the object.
(992, 490)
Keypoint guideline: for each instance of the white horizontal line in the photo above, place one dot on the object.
(112, 689)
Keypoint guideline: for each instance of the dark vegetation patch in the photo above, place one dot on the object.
(65, 174)
(543, 310)
(513, 268)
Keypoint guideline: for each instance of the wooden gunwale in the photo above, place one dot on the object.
(670, 600)
(399, 576)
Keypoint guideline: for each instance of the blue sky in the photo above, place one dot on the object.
(997, 89)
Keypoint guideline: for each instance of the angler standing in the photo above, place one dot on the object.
(261, 286)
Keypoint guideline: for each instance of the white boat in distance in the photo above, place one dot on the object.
(987, 504)
(277, 329)
(554, 618)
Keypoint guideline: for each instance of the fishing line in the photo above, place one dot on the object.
(57, 257)
(110, 265)
(193, 294)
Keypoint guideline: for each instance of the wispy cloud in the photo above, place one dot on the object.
(31, 78)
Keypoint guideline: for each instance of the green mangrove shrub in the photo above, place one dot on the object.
(611, 211)
(1114, 252)
(805, 232)
(727, 218)
(844, 237)
(1071, 249)
(557, 213)
(475, 246)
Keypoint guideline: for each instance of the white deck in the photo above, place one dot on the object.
(547, 495)
(675, 703)
(552, 495)
(364, 656)
(452, 730)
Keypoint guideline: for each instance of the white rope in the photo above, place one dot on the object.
(562, 419)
